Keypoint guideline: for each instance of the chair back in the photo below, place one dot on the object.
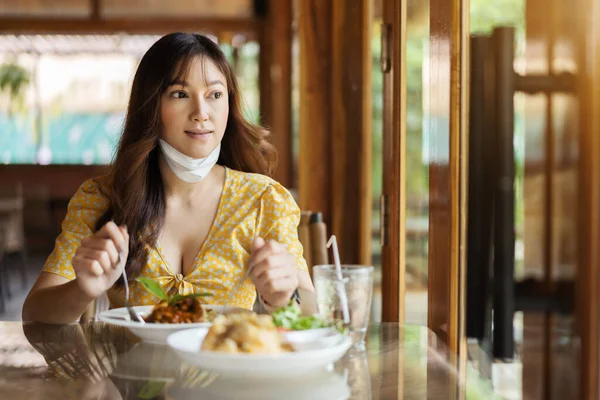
(11, 206)
(4, 225)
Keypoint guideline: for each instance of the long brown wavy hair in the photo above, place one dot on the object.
(135, 187)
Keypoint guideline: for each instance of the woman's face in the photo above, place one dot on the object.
(194, 113)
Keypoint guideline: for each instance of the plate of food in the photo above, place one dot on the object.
(248, 344)
(171, 314)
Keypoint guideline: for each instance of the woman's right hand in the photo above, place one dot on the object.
(97, 261)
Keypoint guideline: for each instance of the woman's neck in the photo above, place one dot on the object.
(175, 188)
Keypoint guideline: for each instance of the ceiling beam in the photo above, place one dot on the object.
(125, 25)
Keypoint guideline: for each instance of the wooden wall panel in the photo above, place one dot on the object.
(47, 189)
(61, 180)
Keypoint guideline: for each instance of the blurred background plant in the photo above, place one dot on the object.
(14, 78)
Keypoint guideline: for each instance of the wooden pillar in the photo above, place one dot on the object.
(351, 128)
(314, 161)
(335, 120)
(275, 80)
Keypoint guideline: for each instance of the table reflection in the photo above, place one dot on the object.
(96, 361)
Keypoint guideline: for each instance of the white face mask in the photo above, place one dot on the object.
(186, 168)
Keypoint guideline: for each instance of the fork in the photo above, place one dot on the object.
(132, 314)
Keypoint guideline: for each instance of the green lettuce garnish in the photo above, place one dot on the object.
(153, 287)
(156, 289)
(290, 317)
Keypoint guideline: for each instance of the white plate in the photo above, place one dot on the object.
(305, 360)
(152, 332)
(312, 338)
(323, 385)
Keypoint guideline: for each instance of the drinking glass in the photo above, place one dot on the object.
(357, 285)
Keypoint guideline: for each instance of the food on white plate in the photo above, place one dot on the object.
(185, 310)
(177, 309)
(244, 333)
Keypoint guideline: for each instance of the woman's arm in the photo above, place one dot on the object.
(83, 264)
(276, 276)
(278, 266)
(304, 281)
(55, 300)
(306, 291)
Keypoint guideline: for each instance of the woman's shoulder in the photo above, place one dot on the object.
(93, 193)
(257, 184)
(250, 178)
(86, 206)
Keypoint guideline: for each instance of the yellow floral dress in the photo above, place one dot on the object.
(251, 204)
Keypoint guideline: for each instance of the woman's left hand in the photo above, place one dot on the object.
(274, 272)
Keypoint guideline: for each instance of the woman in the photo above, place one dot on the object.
(187, 203)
